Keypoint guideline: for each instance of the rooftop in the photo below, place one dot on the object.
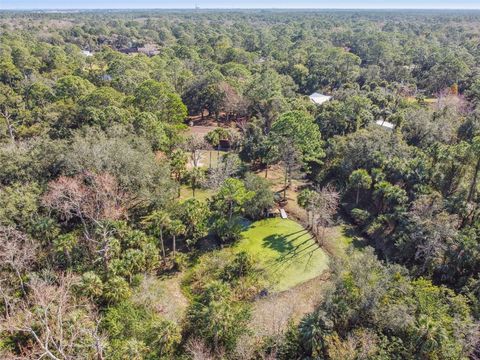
(318, 98)
(385, 124)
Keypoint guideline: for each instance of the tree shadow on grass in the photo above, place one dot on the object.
(283, 243)
(280, 265)
(292, 252)
(279, 243)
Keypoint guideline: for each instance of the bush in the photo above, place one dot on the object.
(218, 319)
(241, 266)
(138, 332)
(360, 216)
(228, 230)
(116, 289)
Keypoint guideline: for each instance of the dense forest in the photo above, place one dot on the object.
(169, 190)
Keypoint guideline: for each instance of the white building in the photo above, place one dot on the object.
(318, 98)
(87, 53)
(385, 124)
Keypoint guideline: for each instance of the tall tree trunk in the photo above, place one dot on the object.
(162, 245)
(6, 115)
(473, 185)
(230, 211)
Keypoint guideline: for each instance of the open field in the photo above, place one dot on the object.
(200, 194)
(286, 250)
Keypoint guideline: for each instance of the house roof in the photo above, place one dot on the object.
(318, 98)
(385, 124)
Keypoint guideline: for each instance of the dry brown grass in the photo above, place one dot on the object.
(163, 295)
(272, 314)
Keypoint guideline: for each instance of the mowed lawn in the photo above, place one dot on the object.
(285, 250)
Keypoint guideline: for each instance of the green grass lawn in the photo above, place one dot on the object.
(200, 194)
(285, 249)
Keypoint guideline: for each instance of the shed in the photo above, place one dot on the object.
(87, 53)
(319, 99)
(273, 213)
(283, 214)
(385, 124)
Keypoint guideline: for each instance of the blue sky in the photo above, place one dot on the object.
(96, 4)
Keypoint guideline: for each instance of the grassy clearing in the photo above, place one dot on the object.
(163, 295)
(272, 314)
(200, 194)
(208, 159)
(286, 250)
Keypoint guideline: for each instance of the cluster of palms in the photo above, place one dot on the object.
(161, 222)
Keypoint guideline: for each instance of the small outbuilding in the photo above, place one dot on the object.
(319, 99)
(385, 124)
(87, 53)
(274, 212)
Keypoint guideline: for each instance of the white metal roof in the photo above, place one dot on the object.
(385, 124)
(318, 98)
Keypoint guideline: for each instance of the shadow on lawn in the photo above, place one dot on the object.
(278, 243)
(288, 251)
(283, 243)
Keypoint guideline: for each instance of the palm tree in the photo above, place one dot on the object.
(195, 177)
(176, 228)
(306, 199)
(159, 220)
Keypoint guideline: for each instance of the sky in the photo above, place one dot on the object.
(177, 4)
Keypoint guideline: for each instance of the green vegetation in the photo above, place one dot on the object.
(200, 194)
(286, 251)
(120, 239)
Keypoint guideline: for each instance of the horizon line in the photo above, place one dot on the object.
(234, 8)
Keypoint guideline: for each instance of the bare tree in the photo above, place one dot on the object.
(233, 103)
(434, 230)
(59, 326)
(93, 200)
(325, 206)
(227, 168)
(193, 145)
(17, 252)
